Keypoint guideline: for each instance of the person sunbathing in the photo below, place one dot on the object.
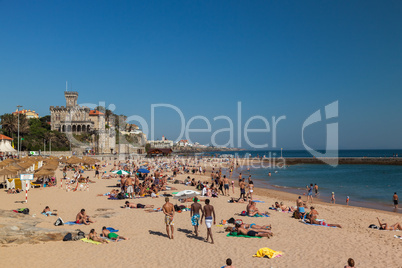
(257, 227)
(82, 217)
(236, 200)
(153, 210)
(240, 230)
(112, 236)
(285, 208)
(252, 227)
(313, 213)
(132, 205)
(13, 191)
(323, 223)
(112, 193)
(94, 237)
(253, 210)
(384, 226)
(47, 212)
(191, 199)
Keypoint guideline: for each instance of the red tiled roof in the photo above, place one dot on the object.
(4, 137)
(95, 112)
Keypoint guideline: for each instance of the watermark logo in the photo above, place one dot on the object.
(330, 156)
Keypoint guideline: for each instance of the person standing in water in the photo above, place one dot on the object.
(333, 198)
(396, 201)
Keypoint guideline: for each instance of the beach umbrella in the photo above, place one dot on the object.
(44, 173)
(186, 194)
(143, 170)
(120, 172)
(7, 171)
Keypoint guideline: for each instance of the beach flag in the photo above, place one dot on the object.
(12, 144)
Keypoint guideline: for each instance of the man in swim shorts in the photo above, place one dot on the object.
(208, 213)
(168, 210)
(130, 187)
(195, 214)
(110, 235)
(396, 200)
(226, 185)
(82, 217)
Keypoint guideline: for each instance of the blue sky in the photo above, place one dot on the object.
(278, 58)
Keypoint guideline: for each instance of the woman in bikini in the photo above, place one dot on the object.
(384, 226)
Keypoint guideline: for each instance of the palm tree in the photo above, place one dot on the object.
(9, 123)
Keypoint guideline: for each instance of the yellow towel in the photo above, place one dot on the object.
(262, 252)
(86, 240)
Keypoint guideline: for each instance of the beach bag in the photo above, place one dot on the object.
(238, 221)
(59, 222)
(231, 220)
(243, 213)
(176, 208)
(121, 196)
(80, 235)
(68, 237)
(24, 211)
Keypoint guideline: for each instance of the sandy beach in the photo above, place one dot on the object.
(148, 246)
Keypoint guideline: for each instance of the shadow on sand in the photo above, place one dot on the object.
(190, 234)
(158, 233)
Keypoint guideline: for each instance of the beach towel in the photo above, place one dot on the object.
(267, 253)
(258, 201)
(86, 240)
(112, 230)
(319, 225)
(111, 240)
(72, 223)
(257, 216)
(241, 235)
(398, 236)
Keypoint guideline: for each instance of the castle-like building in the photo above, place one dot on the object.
(74, 119)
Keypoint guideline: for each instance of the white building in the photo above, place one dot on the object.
(164, 143)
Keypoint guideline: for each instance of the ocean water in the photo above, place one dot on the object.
(304, 153)
(366, 185)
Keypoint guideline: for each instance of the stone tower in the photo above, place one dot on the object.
(71, 98)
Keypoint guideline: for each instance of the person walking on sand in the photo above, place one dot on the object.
(208, 213)
(195, 215)
(333, 197)
(168, 210)
(396, 201)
